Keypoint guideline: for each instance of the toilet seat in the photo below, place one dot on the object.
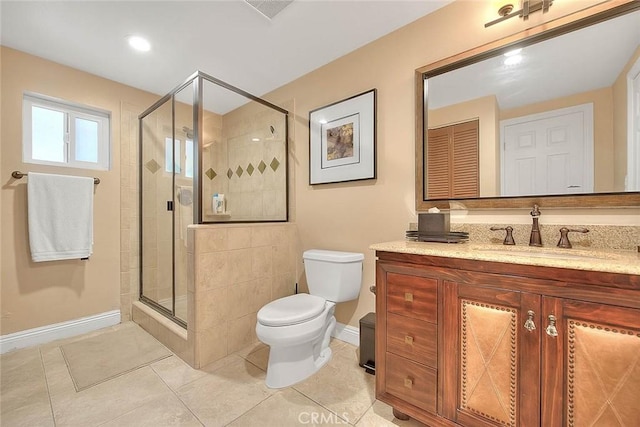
(291, 310)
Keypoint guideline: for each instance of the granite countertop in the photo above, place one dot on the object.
(610, 261)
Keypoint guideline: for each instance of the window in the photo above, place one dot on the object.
(169, 153)
(176, 149)
(61, 133)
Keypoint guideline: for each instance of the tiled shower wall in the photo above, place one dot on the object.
(129, 219)
(237, 269)
(250, 174)
(234, 270)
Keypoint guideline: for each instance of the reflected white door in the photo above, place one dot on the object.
(548, 153)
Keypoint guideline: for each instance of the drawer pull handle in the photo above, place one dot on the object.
(529, 325)
(552, 331)
(408, 383)
(408, 296)
(408, 339)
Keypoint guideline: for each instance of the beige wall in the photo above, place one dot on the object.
(39, 294)
(351, 216)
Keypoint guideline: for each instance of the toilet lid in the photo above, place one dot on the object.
(291, 310)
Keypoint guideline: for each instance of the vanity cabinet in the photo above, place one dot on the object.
(478, 343)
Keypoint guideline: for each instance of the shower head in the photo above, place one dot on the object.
(273, 135)
(188, 131)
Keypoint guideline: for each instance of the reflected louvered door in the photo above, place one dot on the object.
(465, 180)
(452, 166)
(438, 177)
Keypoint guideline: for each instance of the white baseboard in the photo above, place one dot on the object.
(57, 331)
(347, 333)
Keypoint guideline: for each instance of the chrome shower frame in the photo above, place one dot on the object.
(196, 81)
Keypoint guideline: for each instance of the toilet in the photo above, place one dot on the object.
(298, 327)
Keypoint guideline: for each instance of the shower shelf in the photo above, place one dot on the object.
(218, 215)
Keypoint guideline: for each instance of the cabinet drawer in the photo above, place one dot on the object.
(411, 382)
(412, 296)
(412, 338)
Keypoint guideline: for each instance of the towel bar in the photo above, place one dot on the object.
(19, 175)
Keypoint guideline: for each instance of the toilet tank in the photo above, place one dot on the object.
(334, 276)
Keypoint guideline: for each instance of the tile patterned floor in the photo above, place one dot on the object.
(36, 390)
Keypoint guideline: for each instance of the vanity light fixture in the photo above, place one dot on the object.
(139, 43)
(528, 7)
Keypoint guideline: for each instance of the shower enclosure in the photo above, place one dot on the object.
(204, 142)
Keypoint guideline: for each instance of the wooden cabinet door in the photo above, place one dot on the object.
(591, 368)
(491, 363)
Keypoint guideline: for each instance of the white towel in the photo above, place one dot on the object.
(60, 216)
(185, 211)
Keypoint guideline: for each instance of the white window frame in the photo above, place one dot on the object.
(71, 111)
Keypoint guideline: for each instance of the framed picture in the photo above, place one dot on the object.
(343, 140)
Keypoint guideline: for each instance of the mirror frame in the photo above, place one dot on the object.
(566, 24)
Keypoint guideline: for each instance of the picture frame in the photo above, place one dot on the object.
(342, 140)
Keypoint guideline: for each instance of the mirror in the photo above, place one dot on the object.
(547, 126)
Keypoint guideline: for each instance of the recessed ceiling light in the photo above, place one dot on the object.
(139, 43)
(512, 52)
(513, 60)
(255, 139)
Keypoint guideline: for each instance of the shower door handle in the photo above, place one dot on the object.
(169, 205)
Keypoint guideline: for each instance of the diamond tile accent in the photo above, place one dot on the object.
(239, 171)
(211, 173)
(274, 164)
(229, 173)
(262, 166)
(152, 166)
(250, 169)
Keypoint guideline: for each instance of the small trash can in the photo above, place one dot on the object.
(368, 343)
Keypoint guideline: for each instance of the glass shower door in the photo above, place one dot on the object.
(156, 216)
(184, 195)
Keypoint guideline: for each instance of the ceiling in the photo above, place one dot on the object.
(576, 62)
(227, 39)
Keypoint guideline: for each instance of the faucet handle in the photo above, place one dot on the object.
(564, 236)
(508, 240)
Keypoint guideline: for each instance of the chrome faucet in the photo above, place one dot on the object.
(535, 239)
